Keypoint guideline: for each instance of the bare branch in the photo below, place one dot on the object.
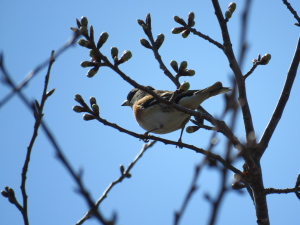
(120, 179)
(35, 71)
(280, 191)
(264, 141)
(288, 5)
(237, 72)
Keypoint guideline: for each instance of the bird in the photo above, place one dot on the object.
(159, 118)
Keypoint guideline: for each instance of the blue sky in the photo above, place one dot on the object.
(160, 180)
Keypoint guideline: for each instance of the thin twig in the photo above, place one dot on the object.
(35, 71)
(264, 141)
(250, 71)
(120, 179)
(55, 145)
(288, 5)
(280, 191)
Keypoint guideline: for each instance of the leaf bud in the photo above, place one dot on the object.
(83, 42)
(74, 29)
(102, 39)
(191, 129)
(265, 59)
(83, 30)
(93, 100)
(184, 86)
(78, 98)
(191, 24)
(174, 65)
(84, 21)
(183, 65)
(191, 16)
(177, 30)
(78, 109)
(93, 53)
(87, 117)
(148, 20)
(179, 20)
(95, 108)
(85, 64)
(232, 7)
(159, 40)
(4, 194)
(122, 169)
(141, 22)
(128, 175)
(228, 14)
(49, 93)
(185, 33)
(125, 57)
(78, 23)
(238, 185)
(114, 52)
(92, 72)
(191, 72)
(145, 43)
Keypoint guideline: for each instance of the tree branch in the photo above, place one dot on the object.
(288, 5)
(237, 72)
(264, 141)
(280, 191)
(120, 179)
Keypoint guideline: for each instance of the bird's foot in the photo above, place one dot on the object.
(146, 140)
(179, 143)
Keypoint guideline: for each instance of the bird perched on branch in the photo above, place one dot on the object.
(159, 118)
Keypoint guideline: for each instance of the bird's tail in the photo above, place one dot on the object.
(215, 89)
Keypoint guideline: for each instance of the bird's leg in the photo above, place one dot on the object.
(183, 126)
(147, 133)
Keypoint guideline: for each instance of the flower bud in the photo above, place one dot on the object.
(49, 93)
(84, 21)
(91, 32)
(177, 30)
(183, 65)
(174, 65)
(83, 43)
(11, 191)
(232, 7)
(191, 72)
(159, 40)
(184, 86)
(191, 129)
(122, 169)
(78, 109)
(128, 175)
(74, 29)
(92, 72)
(191, 16)
(125, 57)
(179, 20)
(4, 194)
(228, 14)
(93, 53)
(185, 33)
(114, 52)
(78, 98)
(145, 43)
(85, 64)
(238, 185)
(92, 101)
(265, 59)
(102, 39)
(192, 23)
(141, 22)
(95, 108)
(148, 20)
(83, 30)
(78, 23)
(237, 177)
(87, 117)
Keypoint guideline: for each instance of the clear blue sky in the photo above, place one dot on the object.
(31, 29)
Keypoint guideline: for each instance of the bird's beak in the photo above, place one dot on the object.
(126, 103)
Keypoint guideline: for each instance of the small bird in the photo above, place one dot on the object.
(159, 118)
